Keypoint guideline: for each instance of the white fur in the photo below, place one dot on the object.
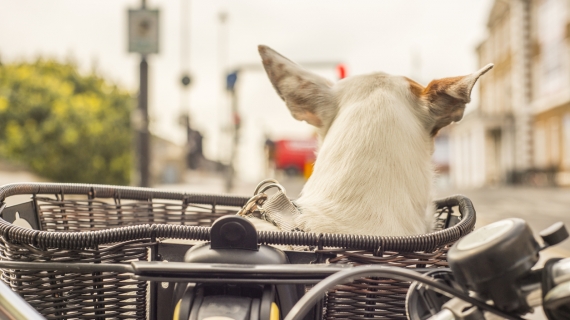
(373, 173)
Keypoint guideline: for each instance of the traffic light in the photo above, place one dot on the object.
(341, 71)
(186, 80)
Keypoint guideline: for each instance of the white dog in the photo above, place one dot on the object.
(373, 173)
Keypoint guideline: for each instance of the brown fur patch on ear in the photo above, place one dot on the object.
(435, 96)
(444, 108)
(446, 98)
(416, 88)
(437, 87)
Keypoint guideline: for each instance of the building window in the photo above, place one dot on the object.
(552, 33)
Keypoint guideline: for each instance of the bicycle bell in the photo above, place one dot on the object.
(491, 260)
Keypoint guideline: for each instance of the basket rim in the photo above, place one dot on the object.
(84, 239)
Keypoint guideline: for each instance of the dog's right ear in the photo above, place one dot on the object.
(447, 97)
(307, 95)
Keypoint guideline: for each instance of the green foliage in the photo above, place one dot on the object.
(65, 126)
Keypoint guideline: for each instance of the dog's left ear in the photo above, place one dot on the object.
(307, 95)
(447, 97)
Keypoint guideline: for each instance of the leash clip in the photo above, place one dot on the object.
(252, 204)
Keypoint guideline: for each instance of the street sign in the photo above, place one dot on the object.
(143, 31)
(231, 80)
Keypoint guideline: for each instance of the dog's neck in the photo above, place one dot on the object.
(371, 171)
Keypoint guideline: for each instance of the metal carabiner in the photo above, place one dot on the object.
(268, 184)
(252, 204)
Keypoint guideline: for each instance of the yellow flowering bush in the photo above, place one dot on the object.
(63, 125)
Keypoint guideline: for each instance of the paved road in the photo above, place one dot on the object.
(540, 207)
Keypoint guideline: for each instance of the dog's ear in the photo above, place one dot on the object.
(447, 97)
(307, 95)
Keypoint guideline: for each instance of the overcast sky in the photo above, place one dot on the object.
(417, 38)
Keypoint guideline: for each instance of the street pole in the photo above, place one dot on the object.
(186, 78)
(236, 120)
(144, 135)
(223, 45)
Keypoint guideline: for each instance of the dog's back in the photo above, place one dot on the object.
(373, 170)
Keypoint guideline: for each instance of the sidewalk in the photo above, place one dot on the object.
(7, 177)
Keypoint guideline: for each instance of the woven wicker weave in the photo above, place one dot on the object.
(109, 224)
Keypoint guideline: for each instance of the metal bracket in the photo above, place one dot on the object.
(23, 215)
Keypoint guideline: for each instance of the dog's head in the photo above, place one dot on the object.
(316, 100)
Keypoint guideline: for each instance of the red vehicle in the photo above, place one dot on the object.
(294, 156)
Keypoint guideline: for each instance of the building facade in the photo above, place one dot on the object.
(550, 38)
(520, 132)
(492, 144)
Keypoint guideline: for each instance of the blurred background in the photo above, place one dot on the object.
(172, 94)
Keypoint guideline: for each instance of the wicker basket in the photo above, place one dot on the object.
(110, 224)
